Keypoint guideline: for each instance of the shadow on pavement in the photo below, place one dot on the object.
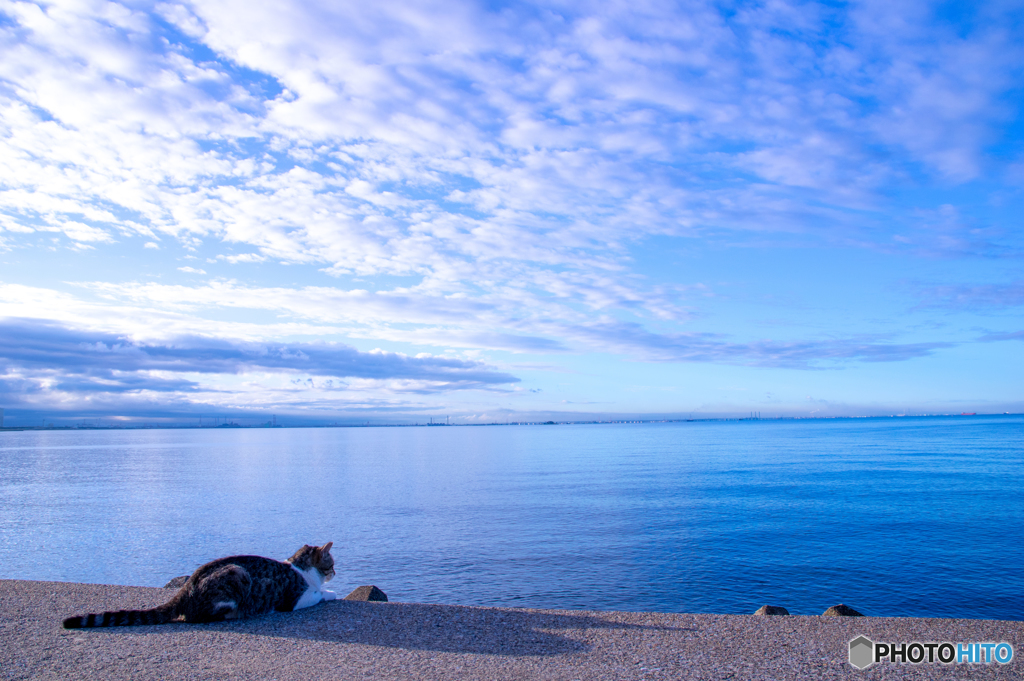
(447, 628)
(414, 626)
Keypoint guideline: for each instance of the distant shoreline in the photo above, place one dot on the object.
(238, 426)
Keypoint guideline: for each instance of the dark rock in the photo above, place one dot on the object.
(771, 610)
(177, 582)
(367, 593)
(842, 611)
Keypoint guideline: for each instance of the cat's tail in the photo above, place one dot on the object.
(161, 614)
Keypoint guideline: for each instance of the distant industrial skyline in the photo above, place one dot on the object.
(509, 211)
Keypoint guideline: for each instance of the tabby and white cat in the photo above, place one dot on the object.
(232, 588)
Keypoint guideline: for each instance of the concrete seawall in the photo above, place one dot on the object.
(358, 640)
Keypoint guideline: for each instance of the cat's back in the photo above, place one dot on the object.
(258, 568)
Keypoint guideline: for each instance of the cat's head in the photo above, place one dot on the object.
(318, 557)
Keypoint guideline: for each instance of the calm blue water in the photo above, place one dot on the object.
(896, 517)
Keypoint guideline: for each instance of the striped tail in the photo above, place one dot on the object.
(124, 618)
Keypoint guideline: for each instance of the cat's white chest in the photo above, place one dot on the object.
(313, 593)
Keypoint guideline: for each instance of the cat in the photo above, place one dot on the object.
(233, 588)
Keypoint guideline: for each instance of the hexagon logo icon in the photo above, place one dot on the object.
(862, 652)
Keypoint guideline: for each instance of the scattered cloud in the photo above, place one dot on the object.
(995, 337)
(46, 362)
(488, 179)
(30, 343)
(636, 342)
(488, 145)
(244, 257)
(78, 231)
(158, 311)
(974, 296)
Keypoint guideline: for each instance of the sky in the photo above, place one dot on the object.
(485, 211)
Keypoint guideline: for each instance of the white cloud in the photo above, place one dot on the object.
(156, 311)
(82, 232)
(244, 257)
(581, 133)
(191, 270)
(47, 365)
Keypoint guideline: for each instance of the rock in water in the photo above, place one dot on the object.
(367, 593)
(842, 611)
(177, 582)
(771, 610)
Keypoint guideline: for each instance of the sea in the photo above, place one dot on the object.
(895, 517)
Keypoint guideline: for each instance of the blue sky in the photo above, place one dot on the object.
(508, 210)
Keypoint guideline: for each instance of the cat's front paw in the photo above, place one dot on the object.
(329, 595)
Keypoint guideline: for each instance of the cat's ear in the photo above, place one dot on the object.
(326, 547)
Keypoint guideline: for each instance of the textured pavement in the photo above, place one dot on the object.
(360, 640)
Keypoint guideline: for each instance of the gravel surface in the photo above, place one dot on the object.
(365, 640)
